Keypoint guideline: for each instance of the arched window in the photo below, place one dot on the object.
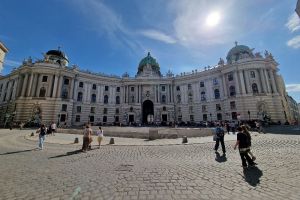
(117, 100)
(163, 98)
(79, 96)
(42, 92)
(232, 91)
(203, 97)
(64, 94)
(217, 94)
(178, 99)
(254, 88)
(93, 100)
(105, 99)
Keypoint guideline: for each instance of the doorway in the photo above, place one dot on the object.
(148, 109)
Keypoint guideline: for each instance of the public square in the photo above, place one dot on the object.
(165, 169)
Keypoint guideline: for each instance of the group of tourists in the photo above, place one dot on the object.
(87, 137)
(43, 131)
(243, 143)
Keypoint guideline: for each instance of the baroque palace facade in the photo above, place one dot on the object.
(246, 86)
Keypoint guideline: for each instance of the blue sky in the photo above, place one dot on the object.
(112, 36)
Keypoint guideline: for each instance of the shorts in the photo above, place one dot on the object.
(100, 138)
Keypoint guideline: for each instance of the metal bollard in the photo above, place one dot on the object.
(76, 140)
(112, 141)
(32, 134)
(184, 140)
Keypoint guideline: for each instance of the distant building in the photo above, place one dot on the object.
(294, 115)
(3, 51)
(245, 87)
(298, 8)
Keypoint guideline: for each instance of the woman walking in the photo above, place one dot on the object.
(86, 138)
(42, 130)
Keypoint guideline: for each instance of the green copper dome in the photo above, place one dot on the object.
(148, 60)
(235, 53)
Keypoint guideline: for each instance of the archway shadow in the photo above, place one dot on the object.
(21, 151)
(220, 158)
(252, 176)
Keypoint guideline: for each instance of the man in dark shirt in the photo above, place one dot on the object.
(244, 148)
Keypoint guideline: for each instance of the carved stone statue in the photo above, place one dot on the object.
(221, 62)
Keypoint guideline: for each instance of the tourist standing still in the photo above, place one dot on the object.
(100, 136)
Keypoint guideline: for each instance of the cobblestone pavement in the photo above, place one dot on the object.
(148, 172)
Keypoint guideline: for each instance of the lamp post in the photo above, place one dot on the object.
(249, 114)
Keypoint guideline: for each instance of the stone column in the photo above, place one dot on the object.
(262, 80)
(267, 80)
(98, 100)
(247, 80)
(59, 87)
(29, 85)
(242, 82)
(49, 89)
(101, 93)
(54, 87)
(14, 95)
(237, 84)
(24, 86)
(273, 82)
(72, 80)
(224, 85)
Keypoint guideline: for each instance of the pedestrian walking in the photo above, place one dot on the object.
(242, 143)
(86, 138)
(227, 127)
(53, 128)
(246, 131)
(219, 134)
(42, 132)
(100, 136)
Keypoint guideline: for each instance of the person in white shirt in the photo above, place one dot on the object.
(53, 128)
(100, 135)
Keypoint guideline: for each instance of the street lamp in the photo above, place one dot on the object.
(249, 114)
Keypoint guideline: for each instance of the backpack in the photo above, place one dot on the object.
(43, 131)
(219, 132)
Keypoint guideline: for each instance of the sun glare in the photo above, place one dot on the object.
(213, 19)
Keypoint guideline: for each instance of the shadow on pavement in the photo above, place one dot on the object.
(220, 158)
(14, 152)
(252, 176)
(70, 153)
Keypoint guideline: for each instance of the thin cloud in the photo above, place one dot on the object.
(293, 87)
(293, 23)
(294, 42)
(157, 35)
(12, 63)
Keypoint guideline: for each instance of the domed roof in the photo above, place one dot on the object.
(57, 53)
(148, 65)
(235, 52)
(148, 60)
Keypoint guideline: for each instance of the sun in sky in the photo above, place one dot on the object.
(213, 19)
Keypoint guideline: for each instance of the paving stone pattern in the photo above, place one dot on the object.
(148, 172)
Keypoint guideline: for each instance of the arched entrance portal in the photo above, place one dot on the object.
(148, 109)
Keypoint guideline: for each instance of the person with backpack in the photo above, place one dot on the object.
(219, 135)
(42, 132)
(246, 131)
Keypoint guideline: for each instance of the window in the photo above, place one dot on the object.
(178, 99)
(204, 108)
(252, 74)
(230, 77)
(189, 86)
(232, 91)
(232, 105)
(118, 89)
(93, 109)
(105, 99)
(190, 97)
(92, 118)
(42, 92)
(191, 109)
(202, 84)
(218, 107)
(219, 116)
(64, 93)
(81, 84)
(217, 94)
(215, 81)
(94, 87)
(204, 117)
(164, 108)
(163, 98)
(104, 110)
(64, 107)
(79, 96)
(131, 109)
(179, 110)
(254, 88)
(66, 81)
(163, 88)
(132, 99)
(77, 119)
(116, 118)
(117, 111)
(203, 98)
(180, 118)
(132, 89)
(191, 118)
(178, 88)
(106, 88)
(117, 100)
(93, 99)
(234, 115)
(78, 109)
(104, 119)
(45, 78)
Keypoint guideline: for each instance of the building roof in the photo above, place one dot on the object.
(3, 47)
